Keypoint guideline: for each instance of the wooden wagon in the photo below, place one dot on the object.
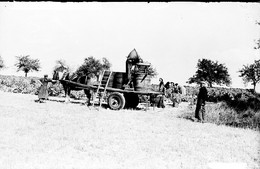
(118, 97)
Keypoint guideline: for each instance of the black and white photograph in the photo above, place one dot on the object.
(129, 85)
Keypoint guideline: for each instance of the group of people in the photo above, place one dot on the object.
(175, 90)
(170, 90)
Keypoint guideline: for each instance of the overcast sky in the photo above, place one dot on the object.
(171, 36)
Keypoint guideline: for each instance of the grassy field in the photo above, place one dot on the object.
(55, 135)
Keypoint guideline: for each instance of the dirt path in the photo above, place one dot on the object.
(54, 135)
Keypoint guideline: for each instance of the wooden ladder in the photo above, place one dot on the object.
(103, 82)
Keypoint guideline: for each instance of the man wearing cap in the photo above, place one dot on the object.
(43, 91)
(201, 100)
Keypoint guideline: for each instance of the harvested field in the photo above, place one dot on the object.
(55, 135)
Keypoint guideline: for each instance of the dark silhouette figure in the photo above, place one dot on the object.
(201, 101)
(161, 97)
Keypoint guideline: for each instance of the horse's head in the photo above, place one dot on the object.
(58, 75)
(55, 75)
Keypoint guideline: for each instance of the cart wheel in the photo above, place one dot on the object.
(131, 100)
(116, 101)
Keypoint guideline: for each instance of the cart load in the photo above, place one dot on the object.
(121, 89)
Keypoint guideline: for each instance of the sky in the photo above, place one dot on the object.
(171, 36)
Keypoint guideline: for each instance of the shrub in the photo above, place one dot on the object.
(26, 85)
(17, 84)
(222, 114)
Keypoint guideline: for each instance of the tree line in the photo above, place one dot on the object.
(209, 71)
(217, 73)
(90, 66)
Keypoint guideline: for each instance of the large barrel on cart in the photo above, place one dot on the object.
(121, 97)
(116, 79)
(141, 81)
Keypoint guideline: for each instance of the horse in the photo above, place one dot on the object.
(84, 79)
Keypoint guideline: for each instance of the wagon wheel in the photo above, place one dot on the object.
(132, 100)
(116, 101)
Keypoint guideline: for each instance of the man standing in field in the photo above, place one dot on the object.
(201, 101)
(43, 91)
(161, 97)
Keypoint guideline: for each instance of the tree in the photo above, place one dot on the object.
(251, 73)
(26, 64)
(93, 67)
(1, 63)
(106, 64)
(211, 72)
(152, 71)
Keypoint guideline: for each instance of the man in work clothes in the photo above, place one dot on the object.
(43, 91)
(132, 59)
(161, 97)
(201, 100)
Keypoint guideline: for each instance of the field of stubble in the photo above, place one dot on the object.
(55, 135)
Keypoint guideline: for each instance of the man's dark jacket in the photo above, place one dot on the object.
(203, 94)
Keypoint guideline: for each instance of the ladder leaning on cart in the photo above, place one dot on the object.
(104, 81)
(118, 98)
(115, 99)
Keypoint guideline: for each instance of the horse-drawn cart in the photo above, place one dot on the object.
(118, 96)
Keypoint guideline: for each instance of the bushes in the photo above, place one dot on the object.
(238, 99)
(222, 114)
(229, 106)
(217, 94)
(26, 85)
(31, 85)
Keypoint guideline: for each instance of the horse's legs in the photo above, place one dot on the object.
(67, 94)
(88, 94)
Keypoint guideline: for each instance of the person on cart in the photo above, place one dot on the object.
(132, 59)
